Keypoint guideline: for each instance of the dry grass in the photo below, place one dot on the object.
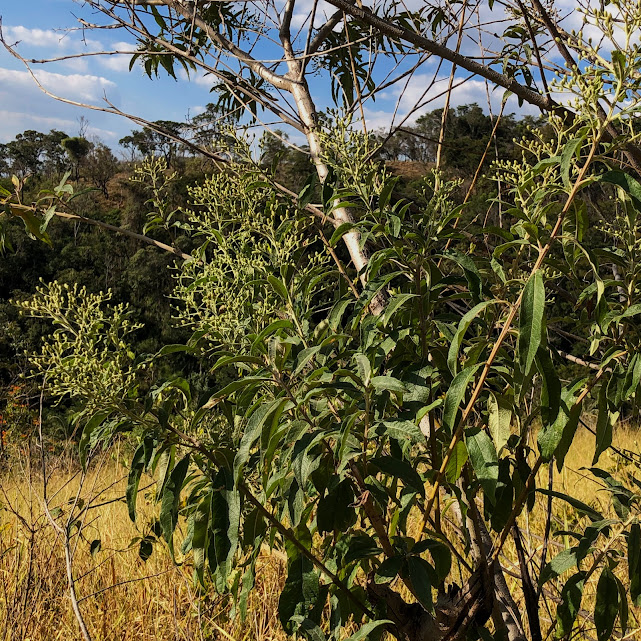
(126, 599)
(122, 598)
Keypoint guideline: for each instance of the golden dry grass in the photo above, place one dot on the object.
(126, 599)
(122, 598)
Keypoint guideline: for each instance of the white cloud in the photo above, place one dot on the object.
(24, 106)
(119, 62)
(36, 37)
(434, 98)
(59, 39)
(80, 87)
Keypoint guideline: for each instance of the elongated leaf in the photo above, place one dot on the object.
(401, 470)
(253, 431)
(335, 511)
(619, 178)
(455, 394)
(606, 607)
(199, 541)
(463, 326)
(567, 610)
(561, 563)
(393, 305)
(551, 389)
(88, 434)
(138, 464)
(402, 431)
(387, 384)
(603, 426)
(279, 287)
(364, 368)
(634, 563)
(422, 575)
(307, 628)
(484, 460)
(170, 500)
(580, 506)
(388, 570)
(556, 438)
(363, 633)
(531, 323)
(301, 590)
(456, 462)
(499, 418)
(568, 155)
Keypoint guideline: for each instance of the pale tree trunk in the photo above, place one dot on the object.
(307, 113)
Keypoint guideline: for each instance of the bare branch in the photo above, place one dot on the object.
(425, 44)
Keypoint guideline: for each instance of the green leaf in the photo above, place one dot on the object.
(138, 464)
(364, 632)
(570, 605)
(606, 607)
(603, 426)
(634, 562)
(364, 368)
(263, 414)
(619, 178)
(170, 500)
(301, 590)
(341, 230)
(463, 326)
(335, 512)
(308, 629)
(531, 323)
(421, 574)
(388, 570)
(279, 287)
(551, 388)
(307, 192)
(361, 546)
(392, 305)
(556, 438)
(455, 395)
(88, 432)
(484, 460)
(146, 548)
(456, 462)
(402, 431)
(582, 508)
(623, 604)
(387, 384)
(569, 153)
(397, 468)
(561, 563)
(199, 541)
(499, 418)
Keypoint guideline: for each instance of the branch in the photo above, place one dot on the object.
(280, 82)
(400, 33)
(126, 232)
(324, 31)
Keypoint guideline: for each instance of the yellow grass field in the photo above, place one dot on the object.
(123, 598)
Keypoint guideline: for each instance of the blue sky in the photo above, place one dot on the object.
(24, 106)
(40, 24)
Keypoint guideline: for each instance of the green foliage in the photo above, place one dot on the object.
(337, 410)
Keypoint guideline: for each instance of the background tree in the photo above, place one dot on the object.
(77, 149)
(101, 165)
